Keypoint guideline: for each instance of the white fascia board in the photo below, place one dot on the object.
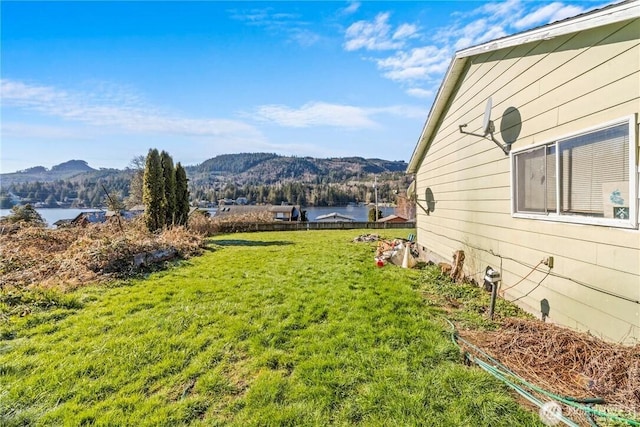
(598, 18)
(442, 97)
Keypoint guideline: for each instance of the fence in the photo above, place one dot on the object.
(299, 226)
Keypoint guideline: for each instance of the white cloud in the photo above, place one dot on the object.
(323, 114)
(377, 35)
(417, 64)
(304, 38)
(538, 16)
(506, 9)
(419, 92)
(409, 63)
(291, 25)
(405, 31)
(352, 8)
(566, 12)
(316, 114)
(495, 20)
(117, 111)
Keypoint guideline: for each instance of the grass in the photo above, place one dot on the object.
(464, 303)
(289, 328)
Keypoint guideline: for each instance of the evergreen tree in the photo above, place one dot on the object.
(372, 214)
(5, 202)
(26, 214)
(51, 201)
(153, 195)
(182, 196)
(169, 175)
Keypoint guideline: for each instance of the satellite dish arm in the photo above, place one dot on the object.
(506, 148)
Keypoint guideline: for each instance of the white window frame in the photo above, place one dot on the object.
(634, 171)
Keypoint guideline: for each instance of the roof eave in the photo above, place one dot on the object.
(607, 15)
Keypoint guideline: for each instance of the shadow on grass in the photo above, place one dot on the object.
(238, 242)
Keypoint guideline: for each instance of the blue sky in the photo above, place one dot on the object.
(106, 81)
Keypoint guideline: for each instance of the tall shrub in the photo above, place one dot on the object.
(153, 195)
(373, 215)
(182, 196)
(169, 175)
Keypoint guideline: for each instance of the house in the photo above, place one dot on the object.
(61, 223)
(334, 217)
(285, 212)
(393, 219)
(229, 210)
(124, 214)
(89, 217)
(528, 163)
(278, 213)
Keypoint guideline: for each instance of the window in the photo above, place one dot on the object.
(588, 178)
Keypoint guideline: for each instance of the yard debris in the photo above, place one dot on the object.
(367, 238)
(566, 362)
(398, 252)
(71, 257)
(210, 226)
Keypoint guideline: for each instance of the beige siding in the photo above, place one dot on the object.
(560, 86)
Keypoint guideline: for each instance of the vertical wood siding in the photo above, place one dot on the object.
(559, 86)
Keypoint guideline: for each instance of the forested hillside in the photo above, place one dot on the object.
(257, 177)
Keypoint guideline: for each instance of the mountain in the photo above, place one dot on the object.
(259, 177)
(62, 171)
(264, 168)
(72, 166)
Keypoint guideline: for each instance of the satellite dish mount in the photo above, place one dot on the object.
(488, 128)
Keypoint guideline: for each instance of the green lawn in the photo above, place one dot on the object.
(289, 328)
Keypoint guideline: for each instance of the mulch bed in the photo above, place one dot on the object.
(565, 362)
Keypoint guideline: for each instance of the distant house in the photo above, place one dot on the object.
(91, 217)
(193, 210)
(124, 214)
(285, 213)
(335, 217)
(393, 219)
(229, 210)
(554, 206)
(95, 217)
(278, 213)
(61, 223)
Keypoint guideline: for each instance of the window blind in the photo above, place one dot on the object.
(586, 162)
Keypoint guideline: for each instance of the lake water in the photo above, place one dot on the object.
(51, 215)
(359, 213)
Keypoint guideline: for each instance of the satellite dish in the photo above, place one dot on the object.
(488, 129)
(486, 122)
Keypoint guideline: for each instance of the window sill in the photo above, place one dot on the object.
(603, 222)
